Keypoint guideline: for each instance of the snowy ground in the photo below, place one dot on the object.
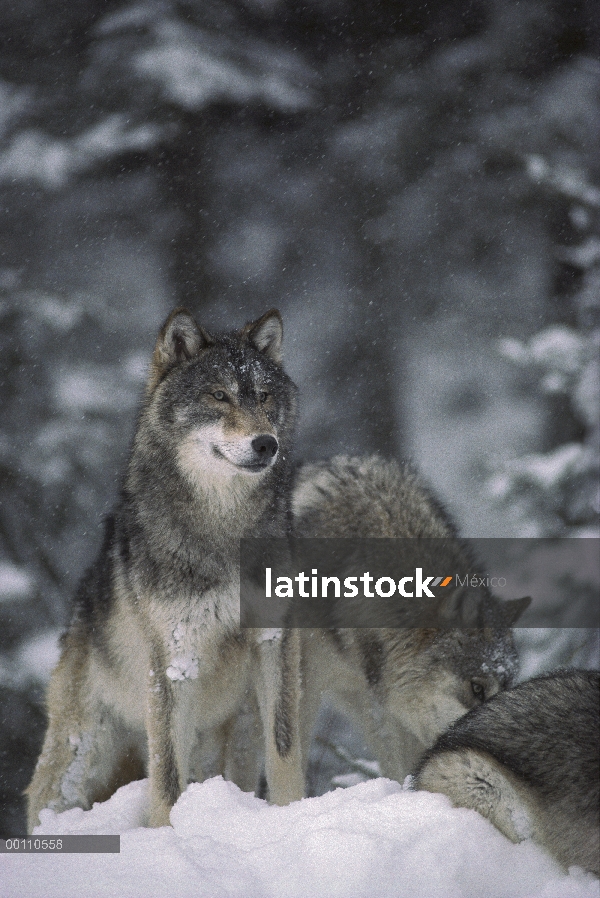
(374, 839)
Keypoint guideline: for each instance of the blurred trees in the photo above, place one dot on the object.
(360, 166)
(373, 169)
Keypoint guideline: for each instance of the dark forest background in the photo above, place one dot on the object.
(416, 186)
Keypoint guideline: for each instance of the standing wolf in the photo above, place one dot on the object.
(154, 654)
(403, 686)
(529, 760)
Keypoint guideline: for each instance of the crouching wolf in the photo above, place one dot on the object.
(529, 761)
(154, 655)
(403, 686)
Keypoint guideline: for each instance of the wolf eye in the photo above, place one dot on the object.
(478, 690)
(263, 396)
(220, 395)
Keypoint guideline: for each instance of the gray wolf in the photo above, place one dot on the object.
(154, 656)
(402, 686)
(529, 761)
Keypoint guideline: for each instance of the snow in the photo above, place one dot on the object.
(558, 351)
(545, 648)
(13, 100)
(183, 667)
(546, 469)
(196, 67)
(32, 662)
(569, 182)
(37, 657)
(34, 156)
(269, 634)
(71, 784)
(374, 839)
(15, 583)
(95, 388)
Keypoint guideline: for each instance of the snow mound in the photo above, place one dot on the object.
(374, 839)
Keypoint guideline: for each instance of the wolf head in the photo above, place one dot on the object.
(225, 399)
(470, 659)
(437, 675)
(221, 406)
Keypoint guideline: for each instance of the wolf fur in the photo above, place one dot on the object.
(154, 655)
(529, 761)
(402, 686)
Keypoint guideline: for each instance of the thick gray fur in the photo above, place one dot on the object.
(154, 656)
(403, 686)
(529, 761)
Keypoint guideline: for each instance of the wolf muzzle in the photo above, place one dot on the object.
(265, 449)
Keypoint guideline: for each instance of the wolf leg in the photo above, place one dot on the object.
(232, 750)
(314, 675)
(473, 779)
(207, 755)
(243, 755)
(167, 774)
(396, 749)
(83, 747)
(278, 691)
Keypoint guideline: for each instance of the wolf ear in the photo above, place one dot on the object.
(179, 339)
(512, 609)
(267, 334)
(458, 609)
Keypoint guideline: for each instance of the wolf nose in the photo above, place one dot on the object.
(265, 447)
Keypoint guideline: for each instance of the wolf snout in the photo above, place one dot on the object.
(265, 448)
